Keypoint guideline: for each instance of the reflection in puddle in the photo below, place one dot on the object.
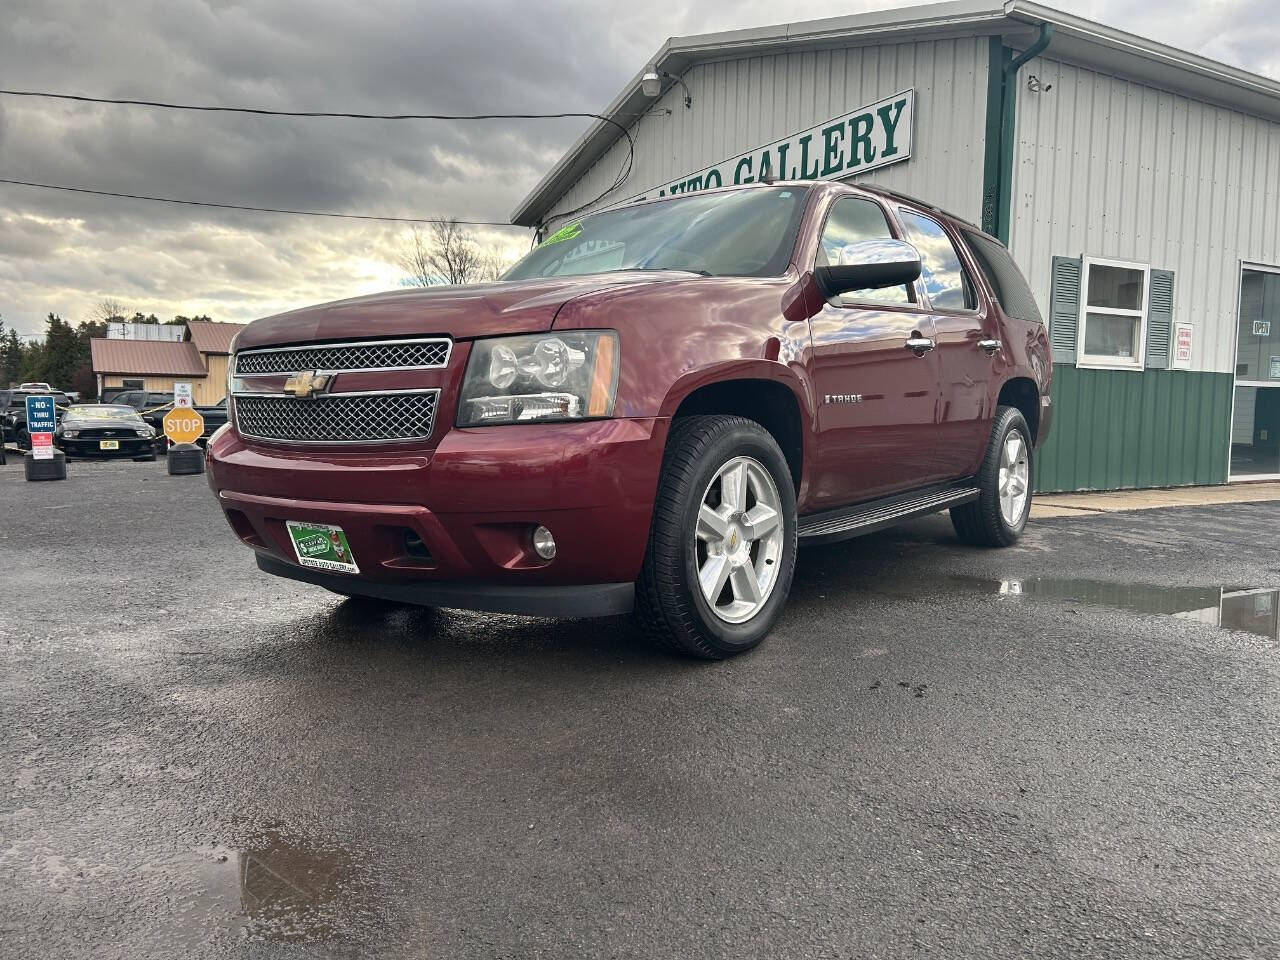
(275, 888)
(1250, 609)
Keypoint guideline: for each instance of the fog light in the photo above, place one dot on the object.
(544, 544)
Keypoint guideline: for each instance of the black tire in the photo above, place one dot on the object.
(981, 523)
(670, 606)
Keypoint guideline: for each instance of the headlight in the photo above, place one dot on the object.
(71, 434)
(146, 432)
(545, 377)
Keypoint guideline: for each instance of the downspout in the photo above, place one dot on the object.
(1008, 104)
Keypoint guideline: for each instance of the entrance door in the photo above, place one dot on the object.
(877, 398)
(1255, 423)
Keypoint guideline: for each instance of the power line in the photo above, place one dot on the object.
(623, 173)
(235, 206)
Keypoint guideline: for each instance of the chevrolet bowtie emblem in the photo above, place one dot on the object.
(306, 384)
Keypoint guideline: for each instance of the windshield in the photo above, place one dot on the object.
(97, 411)
(745, 233)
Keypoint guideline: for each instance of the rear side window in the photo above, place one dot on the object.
(1006, 279)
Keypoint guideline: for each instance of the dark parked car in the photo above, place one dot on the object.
(153, 406)
(104, 430)
(651, 411)
(13, 413)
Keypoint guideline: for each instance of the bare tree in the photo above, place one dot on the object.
(444, 253)
(109, 309)
(494, 262)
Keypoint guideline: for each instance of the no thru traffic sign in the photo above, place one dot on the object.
(183, 425)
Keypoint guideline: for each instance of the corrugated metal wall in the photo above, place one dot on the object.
(745, 103)
(1109, 168)
(1114, 430)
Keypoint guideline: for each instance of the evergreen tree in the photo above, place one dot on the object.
(61, 355)
(11, 357)
(32, 360)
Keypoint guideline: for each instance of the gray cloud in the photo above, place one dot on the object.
(64, 252)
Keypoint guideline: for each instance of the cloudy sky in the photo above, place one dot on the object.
(66, 253)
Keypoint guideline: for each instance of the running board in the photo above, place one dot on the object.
(878, 514)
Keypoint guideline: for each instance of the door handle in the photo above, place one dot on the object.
(919, 345)
(991, 346)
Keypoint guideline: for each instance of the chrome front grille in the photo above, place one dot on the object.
(385, 417)
(346, 357)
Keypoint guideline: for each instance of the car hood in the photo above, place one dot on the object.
(460, 312)
(101, 423)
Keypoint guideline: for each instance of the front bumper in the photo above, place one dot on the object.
(586, 600)
(128, 447)
(452, 525)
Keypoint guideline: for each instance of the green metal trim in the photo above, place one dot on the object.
(1002, 99)
(1008, 136)
(998, 57)
(1122, 429)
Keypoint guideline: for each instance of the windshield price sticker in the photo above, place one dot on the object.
(563, 234)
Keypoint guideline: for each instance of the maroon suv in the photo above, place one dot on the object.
(650, 411)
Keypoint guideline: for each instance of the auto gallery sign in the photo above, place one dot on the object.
(865, 139)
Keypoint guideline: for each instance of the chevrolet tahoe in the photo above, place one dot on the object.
(651, 411)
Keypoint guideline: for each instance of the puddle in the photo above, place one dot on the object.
(1250, 609)
(278, 888)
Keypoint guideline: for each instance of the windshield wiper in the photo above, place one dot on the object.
(701, 273)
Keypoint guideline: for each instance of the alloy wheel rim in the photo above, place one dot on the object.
(1015, 478)
(738, 540)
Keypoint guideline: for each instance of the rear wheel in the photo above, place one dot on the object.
(999, 515)
(722, 544)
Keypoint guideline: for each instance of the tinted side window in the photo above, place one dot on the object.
(1006, 279)
(941, 271)
(852, 220)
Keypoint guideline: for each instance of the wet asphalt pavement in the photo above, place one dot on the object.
(940, 752)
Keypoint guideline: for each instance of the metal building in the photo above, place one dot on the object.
(1137, 185)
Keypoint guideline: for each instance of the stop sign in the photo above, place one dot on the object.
(183, 425)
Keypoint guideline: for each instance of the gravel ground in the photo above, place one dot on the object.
(201, 761)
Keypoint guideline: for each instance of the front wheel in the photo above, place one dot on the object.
(722, 545)
(998, 516)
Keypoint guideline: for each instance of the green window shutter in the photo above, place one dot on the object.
(1064, 308)
(1159, 318)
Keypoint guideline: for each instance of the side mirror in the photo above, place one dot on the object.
(870, 265)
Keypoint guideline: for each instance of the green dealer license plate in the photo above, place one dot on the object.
(322, 546)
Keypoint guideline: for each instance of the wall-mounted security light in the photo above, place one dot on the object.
(651, 85)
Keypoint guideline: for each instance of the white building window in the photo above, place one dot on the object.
(1113, 314)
